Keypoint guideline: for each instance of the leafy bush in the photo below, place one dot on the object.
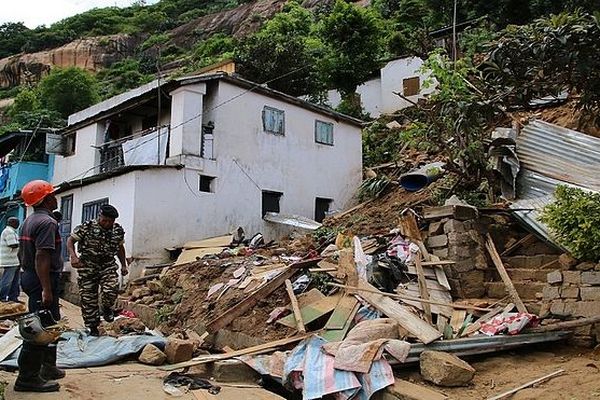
(68, 90)
(574, 218)
(373, 187)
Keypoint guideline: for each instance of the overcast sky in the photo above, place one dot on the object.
(44, 12)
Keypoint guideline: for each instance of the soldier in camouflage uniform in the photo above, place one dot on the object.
(99, 241)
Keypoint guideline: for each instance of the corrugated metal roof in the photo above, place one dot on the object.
(551, 155)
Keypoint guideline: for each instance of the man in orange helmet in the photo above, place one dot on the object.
(41, 261)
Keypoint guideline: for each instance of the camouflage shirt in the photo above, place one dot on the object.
(96, 244)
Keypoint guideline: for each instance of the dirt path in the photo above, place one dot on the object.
(499, 373)
(495, 374)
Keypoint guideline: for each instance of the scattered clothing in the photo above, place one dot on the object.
(8, 252)
(509, 323)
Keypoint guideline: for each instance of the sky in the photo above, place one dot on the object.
(45, 12)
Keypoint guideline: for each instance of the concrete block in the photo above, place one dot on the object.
(460, 239)
(472, 284)
(589, 293)
(554, 277)
(442, 253)
(571, 277)
(590, 277)
(152, 355)
(551, 292)
(481, 261)
(463, 266)
(569, 292)
(445, 369)
(567, 261)
(585, 266)
(436, 228)
(557, 308)
(233, 371)
(179, 350)
(454, 226)
(524, 274)
(437, 241)
(587, 308)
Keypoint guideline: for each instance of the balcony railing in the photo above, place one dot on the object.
(148, 149)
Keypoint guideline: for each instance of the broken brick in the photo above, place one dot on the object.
(554, 277)
(179, 350)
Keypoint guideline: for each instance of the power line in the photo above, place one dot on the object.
(257, 85)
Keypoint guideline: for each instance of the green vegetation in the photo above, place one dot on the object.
(574, 218)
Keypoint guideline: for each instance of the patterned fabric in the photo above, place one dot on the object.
(97, 245)
(8, 255)
(94, 278)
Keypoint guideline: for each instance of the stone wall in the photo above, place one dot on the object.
(461, 241)
(573, 291)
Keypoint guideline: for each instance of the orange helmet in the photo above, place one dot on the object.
(34, 192)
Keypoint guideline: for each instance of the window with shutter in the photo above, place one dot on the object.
(273, 120)
(324, 132)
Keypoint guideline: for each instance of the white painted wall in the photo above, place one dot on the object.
(377, 95)
(163, 207)
(120, 191)
(85, 157)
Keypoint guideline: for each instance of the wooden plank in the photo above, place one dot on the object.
(526, 385)
(312, 312)
(249, 302)
(295, 308)
(440, 274)
(437, 261)
(312, 296)
(402, 389)
(409, 321)
(336, 335)
(402, 297)
(458, 212)
(9, 343)
(412, 290)
(217, 241)
(192, 255)
(559, 326)
(262, 348)
(489, 244)
(429, 272)
(347, 268)
(457, 319)
(530, 238)
(341, 313)
(424, 293)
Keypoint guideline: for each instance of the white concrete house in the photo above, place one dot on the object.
(225, 152)
(402, 75)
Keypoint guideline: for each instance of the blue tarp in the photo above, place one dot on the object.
(79, 350)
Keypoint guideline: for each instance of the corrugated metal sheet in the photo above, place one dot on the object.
(551, 155)
(296, 221)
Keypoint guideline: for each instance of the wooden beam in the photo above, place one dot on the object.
(423, 291)
(459, 212)
(526, 385)
(249, 302)
(525, 240)
(262, 348)
(559, 326)
(402, 314)
(295, 308)
(438, 262)
(489, 244)
(411, 298)
(457, 320)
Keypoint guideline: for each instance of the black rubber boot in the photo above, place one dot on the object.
(94, 331)
(108, 314)
(30, 362)
(49, 371)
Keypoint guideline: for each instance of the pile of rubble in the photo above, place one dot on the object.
(334, 315)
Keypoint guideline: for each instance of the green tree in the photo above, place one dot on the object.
(13, 37)
(283, 53)
(68, 90)
(353, 39)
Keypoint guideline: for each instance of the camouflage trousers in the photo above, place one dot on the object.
(97, 281)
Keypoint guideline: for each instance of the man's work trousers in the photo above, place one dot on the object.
(94, 279)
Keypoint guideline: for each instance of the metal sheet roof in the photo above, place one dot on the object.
(551, 155)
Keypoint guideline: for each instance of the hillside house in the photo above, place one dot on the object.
(206, 155)
(402, 75)
(22, 159)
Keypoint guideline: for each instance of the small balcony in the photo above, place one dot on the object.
(148, 149)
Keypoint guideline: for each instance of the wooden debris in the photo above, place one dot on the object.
(436, 294)
(530, 238)
(409, 321)
(218, 241)
(340, 321)
(9, 343)
(456, 322)
(424, 293)
(559, 326)
(372, 289)
(489, 244)
(440, 274)
(438, 262)
(295, 308)
(474, 327)
(312, 312)
(347, 268)
(526, 385)
(260, 349)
